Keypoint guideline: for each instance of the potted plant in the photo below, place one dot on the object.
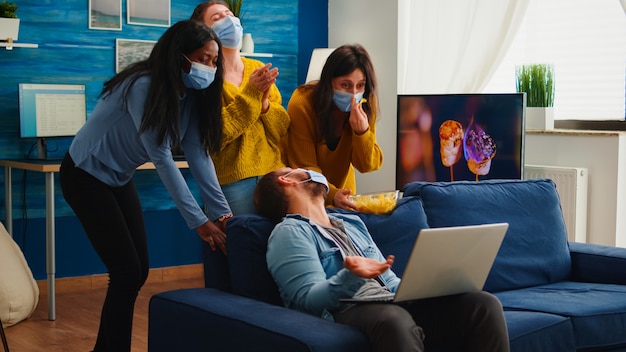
(537, 81)
(9, 23)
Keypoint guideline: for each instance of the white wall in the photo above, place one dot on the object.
(373, 24)
(604, 155)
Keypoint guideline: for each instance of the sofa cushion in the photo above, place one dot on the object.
(539, 332)
(597, 311)
(395, 233)
(534, 250)
(247, 243)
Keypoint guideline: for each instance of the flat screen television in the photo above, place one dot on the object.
(50, 110)
(452, 137)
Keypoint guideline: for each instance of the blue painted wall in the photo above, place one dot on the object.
(70, 52)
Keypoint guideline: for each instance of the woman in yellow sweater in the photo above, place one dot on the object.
(333, 123)
(255, 122)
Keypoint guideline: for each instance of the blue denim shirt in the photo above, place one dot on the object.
(308, 266)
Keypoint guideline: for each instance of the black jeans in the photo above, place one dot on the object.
(466, 322)
(113, 220)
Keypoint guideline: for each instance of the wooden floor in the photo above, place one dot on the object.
(79, 301)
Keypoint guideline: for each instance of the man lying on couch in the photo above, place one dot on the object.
(317, 259)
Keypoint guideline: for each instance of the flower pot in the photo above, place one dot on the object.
(247, 44)
(539, 118)
(9, 28)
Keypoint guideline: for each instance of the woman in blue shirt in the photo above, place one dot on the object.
(170, 100)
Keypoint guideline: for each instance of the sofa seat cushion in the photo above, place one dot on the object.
(534, 251)
(597, 311)
(206, 319)
(539, 332)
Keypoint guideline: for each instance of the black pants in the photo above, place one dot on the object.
(465, 322)
(113, 220)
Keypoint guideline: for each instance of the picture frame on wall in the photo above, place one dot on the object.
(128, 51)
(105, 14)
(148, 12)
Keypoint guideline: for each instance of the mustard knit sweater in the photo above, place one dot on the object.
(251, 142)
(353, 151)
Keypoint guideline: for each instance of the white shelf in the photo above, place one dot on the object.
(256, 54)
(10, 46)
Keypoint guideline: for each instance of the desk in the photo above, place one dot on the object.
(48, 168)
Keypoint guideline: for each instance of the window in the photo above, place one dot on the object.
(585, 40)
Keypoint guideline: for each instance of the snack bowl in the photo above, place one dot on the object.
(376, 202)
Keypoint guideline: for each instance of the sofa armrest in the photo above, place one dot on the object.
(598, 263)
(209, 319)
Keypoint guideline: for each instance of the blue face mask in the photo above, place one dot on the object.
(229, 30)
(343, 100)
(314, 176)
(200, 76)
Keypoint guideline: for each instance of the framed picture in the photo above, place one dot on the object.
(148, 12)
(105, 14)
(130, 51)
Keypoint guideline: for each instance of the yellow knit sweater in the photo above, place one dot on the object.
(353, 151)
(251, 142)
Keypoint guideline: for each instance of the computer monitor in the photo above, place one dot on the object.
(50, 110)
(452, 137)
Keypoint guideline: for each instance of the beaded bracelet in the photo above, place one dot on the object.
(223, 218)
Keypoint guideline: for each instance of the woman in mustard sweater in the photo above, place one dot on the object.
(255, 122)
(333, 123)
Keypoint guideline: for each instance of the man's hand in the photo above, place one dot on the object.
(366, 267)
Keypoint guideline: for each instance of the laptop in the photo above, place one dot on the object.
(446, 261)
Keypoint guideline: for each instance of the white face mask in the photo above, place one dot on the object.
(200, 76)
(314, 176)
(229, 30)
(343, 100)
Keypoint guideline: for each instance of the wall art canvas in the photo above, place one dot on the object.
(130, 51)
(105, 14)
(148, 12)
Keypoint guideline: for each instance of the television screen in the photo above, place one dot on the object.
(451, 137)
(51, 110)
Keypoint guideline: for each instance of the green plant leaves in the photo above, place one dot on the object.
(537, 81)
(8, 9)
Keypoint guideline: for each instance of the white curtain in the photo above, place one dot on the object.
(453, 46)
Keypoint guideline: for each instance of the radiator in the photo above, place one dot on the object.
(571, 184)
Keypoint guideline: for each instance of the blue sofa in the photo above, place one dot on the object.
(557, 296)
